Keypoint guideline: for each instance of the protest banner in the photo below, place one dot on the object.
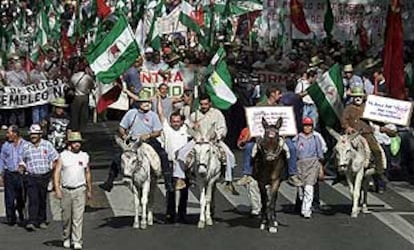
(152, 79)
(271, 114)
(30, 95)
(388, 110)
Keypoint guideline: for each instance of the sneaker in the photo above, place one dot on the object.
(295, 181)
(106, 186)
(245, 180)
(4, 127)
(66, 243)
(30, 227)
(307, 216)
(77, 246)
(180, 184)
(43, 225)
(255, 212)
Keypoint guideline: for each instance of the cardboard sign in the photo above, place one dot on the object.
(152, 79)
(388, 110)
(30, 95)
(271, 114)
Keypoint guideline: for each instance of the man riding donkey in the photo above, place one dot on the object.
(352, 122)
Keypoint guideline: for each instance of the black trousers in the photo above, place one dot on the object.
(182, 202)
(165, 166)
(36, 186)
(79, 110)
(13, 195)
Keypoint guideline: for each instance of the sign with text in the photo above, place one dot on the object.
(30, 95)
(388, 110)
(271, 114)
(152, 79)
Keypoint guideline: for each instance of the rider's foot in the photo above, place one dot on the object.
(245, 180)
(295, 181)
(106, 186)
(169, 219)
(230, 188)
(180, 184)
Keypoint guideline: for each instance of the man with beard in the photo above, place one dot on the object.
(37, 159)
(72, 181)
(11, 153)
(143, 124)
(352, 122)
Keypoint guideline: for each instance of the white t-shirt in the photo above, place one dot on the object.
(301, 86)
(73, 168)
(173, 139)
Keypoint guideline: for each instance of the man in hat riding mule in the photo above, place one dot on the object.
(352, 122)
(351, 81)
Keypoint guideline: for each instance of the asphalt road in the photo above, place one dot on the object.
(108, 218)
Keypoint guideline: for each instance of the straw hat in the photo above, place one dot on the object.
(357, 91)
(348, 68)
(59, 102)
(315, 61)
(370, 63)
(144, 96)
(75, 137)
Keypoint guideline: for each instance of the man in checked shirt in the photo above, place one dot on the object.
(39, 158)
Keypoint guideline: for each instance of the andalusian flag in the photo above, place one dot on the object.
(189, 18)
(220, 83)
(115, 53)
(327, 94)
(42, 25)
(156, 9)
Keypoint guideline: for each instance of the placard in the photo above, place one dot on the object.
(388, 110)
(271, 114)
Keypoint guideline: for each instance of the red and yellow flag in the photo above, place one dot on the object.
(298, 17)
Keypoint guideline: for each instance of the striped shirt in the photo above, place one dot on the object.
(11, 155)
(38, 160)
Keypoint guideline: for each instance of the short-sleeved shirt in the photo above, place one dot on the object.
(38, 160)
(132, 78)
(138, 123)
(73, 168)
(173, 139)
(11, 155)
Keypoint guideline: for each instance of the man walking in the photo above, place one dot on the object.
(38, 157)
(11, 154)
(72, 182)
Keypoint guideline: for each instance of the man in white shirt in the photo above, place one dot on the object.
(173, 137)
(309, 108)
(73, 185)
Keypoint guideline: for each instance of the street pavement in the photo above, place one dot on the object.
(108, 218)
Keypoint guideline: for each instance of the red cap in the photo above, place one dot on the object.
(307, 121)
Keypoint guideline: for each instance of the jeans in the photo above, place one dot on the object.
(39, 113)
(292, 170)
(247, 158)
(13, 195)
(37, 196)
(310, 110)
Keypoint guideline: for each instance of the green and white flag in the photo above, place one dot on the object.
(115, 53)
(328, 21)
(327, 94)
(156, 9)
(219, 85)
(42, 26)
(187, 18)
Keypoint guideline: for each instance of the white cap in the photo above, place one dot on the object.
(149, 50)
(35, 129)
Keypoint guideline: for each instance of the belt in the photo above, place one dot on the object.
(309, 104)
(38, 175)
(73, 188)
(11, 172)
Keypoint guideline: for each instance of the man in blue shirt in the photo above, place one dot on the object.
(39, 157)
(10, 157)
(145, 125)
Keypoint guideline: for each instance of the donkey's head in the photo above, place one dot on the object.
(129, 157)
(269, 143)
(344, 148)
(204, 149)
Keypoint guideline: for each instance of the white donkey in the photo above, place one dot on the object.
(207, 170)
(353, 158)
(141, 166)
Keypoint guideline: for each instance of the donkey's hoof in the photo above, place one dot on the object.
(209, 222)
(354, 214)
(365, 210)
(150, 219)
(201, 224)
(262, 226)
(272, 230)
(275, 223)
(143, 226)
(135, 225)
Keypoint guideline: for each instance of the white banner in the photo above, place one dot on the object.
(388, 110)
(152, 79)
(271, 114)
(30, 95)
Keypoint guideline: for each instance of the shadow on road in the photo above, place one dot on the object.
(53, 243)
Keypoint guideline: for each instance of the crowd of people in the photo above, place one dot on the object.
(164, 121)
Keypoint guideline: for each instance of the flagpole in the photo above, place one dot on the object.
(212, 31)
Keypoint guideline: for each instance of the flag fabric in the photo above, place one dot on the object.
(154, 36)
(328, 20)
(297, 17)
(107, 94)
(393, 52)
(115, 53)
(42, 26)
(189, 19)
(67, 48)
(327, 94)
(363, 39)
(102, 10)
(219, 84)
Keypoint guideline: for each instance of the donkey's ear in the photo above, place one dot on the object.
(353, 136)
(121, 143)
(211, 133)
(264, 123)
(193, 132)
(334, 134)
(279, 123)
